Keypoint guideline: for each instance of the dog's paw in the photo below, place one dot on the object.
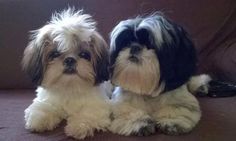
(173, 128)
(202, 90)
(39, 121)
(79, 130)
(148, 129)
(140, 126)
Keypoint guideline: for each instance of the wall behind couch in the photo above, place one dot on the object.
(212, 26)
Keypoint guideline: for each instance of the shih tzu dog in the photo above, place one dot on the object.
(151, 61)
(68, 60)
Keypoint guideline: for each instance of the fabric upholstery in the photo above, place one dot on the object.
(212, 26)
(217, 123)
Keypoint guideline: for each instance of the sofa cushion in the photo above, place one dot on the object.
(217, 123)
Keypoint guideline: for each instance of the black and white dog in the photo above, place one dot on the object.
(152, 61)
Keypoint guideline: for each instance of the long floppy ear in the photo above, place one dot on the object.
(102, 58)
(177, 56)
(175, 51)
(33, 59)
(120, 41)
(121, 36)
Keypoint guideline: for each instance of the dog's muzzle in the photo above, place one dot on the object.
(135, 50)
(70, 65)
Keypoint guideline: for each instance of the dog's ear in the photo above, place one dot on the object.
(33, 59)
(101, 58)
(177, 57)
(120, 38)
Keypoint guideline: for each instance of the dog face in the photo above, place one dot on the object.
(149, 53)
(67, 51)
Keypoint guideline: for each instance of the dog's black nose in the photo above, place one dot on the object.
(135, 49)
(69, 61)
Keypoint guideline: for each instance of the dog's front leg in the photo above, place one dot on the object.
(83, 123)
(179, 112)
(42, 116)
(128, 120)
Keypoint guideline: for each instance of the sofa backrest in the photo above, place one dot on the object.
(212, 26)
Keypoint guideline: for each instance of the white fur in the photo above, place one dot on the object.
(142, 78)
(118, 29)
(148, 23)
(171, 111)
(199, 81)
(85, 111)
(64, 26)
(157, 28)
(73, 97)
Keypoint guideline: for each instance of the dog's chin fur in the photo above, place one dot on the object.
(77, 96)
(154, 93)
(141, 78)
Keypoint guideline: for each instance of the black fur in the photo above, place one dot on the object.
(124, 39)
(148, 129)
(101, 68)
(34, 67)
(217, 88)
(177, 58)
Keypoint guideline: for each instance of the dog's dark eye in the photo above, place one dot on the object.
(85, 55)
(54, 54)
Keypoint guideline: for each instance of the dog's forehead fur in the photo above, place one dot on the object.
(154, 23)
(66, 28)
(68, 32)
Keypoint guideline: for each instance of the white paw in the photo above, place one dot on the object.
(79, 130)
(39, 121)
(148, 129)
(175, 126)
(142, 126)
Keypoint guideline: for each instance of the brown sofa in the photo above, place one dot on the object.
(212, 25)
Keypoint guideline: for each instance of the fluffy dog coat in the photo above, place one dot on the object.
(152, 60)
(68, 59)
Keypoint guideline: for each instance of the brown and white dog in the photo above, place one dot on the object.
(68, 59)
